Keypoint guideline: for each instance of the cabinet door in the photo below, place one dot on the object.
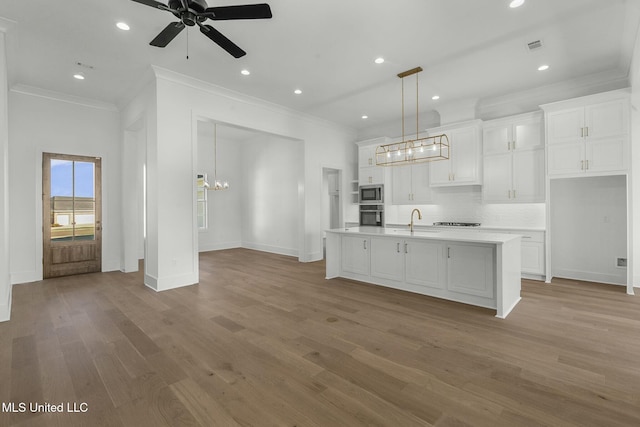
(355, 255)
(565, 159)
(497, 139)
(607, 119)
(528, 176)
(497, 182)
(371, 175)
(425, 263)
(565, 126)
(470, 269)
(605, 155)
(366, 156)
(401, 185)
(387, 258)
(527, 134)
(532, 257)
(420, 184)
(465, 155)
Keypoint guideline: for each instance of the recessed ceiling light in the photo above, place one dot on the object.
(78, 76)
(365, 117)
(435, 97)
(123, 26)
(516, 3)
(379, 60)
(297, 91)
(245, 72)
(543, 67)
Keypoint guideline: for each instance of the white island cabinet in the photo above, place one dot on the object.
(481, 269)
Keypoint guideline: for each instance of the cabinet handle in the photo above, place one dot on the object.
(453, 176)
(448, 252)
(581, 132)
(587, 160)
(581, 164)
(509, 193)
(526, 237)
(514, 194)
(508, 145)
(405, 248)
(365, 244)
(398, 247)
(513, 145)
(587, 133)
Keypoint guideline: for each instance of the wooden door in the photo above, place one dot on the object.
(72, 214)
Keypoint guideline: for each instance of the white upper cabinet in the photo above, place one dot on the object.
(588, 135)
(410, 184)
(464, 164)
(513, 160)
(368, 172)
(514, 133)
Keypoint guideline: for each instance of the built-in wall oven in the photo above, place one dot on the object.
(372, 215)
(371, 194)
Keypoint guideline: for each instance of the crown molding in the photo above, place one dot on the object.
(201, 85)
(529, 100)
(59, 96)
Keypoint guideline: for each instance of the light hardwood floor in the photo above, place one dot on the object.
(264, 340)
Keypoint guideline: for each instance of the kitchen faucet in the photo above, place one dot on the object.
(419, 217)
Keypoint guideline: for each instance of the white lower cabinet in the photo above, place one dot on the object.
(470, 269)
(355, 254)
(425, 264)
(459, 271)
(387, 258)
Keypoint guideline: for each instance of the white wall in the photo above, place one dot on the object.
(325, 144)
(272, 176)
(5, 278)
(224, 208)
(634, 78)
(41, 121)
(464, 204)
(588, 228)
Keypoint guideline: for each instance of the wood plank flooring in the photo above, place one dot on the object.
(264, 340)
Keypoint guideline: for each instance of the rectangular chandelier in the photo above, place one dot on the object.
(417, 150)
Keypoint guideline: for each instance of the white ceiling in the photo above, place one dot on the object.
(468, 49)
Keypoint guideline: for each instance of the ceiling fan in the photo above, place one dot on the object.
(195, 12)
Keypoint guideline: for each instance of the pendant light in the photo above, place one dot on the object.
(217, 185)
(416, 150)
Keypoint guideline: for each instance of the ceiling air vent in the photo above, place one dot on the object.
(534, 45)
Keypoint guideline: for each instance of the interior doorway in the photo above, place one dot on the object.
(331, 201)
(72, 214)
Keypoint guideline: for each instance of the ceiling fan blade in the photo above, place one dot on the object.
(246, 11)
(152, 3)
(217, 37)
(168, 34)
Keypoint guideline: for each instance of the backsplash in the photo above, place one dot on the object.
(464, 204)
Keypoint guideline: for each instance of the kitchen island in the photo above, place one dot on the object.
(475, 268)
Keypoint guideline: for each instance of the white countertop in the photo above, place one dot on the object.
(436, 233)
(481, 227)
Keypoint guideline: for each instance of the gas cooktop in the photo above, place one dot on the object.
(458, 224)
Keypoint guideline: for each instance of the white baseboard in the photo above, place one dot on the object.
(5, 306)
(219, 246)
(110, 265)
(170, 282)
(25, 277)
(590, 276)
(269, 248)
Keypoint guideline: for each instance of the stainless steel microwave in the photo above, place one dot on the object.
(371, 194)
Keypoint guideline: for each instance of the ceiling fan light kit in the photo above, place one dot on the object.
(195, 12)
(416, 150)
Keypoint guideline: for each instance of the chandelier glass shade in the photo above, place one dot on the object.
(418, 150)
(217, 184)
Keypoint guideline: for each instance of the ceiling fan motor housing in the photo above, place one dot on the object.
(188, 17)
